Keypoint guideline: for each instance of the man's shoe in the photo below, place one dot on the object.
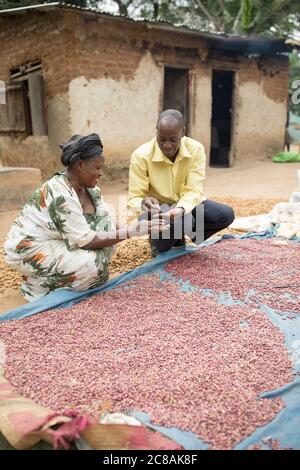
(180, 243)
(155, 252)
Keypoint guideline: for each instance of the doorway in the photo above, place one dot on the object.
(221, 120)
(176, 83)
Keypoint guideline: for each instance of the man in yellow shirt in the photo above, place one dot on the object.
(166, 180)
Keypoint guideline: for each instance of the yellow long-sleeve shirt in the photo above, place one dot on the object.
(151, 173)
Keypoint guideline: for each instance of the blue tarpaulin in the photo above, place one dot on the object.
(285, 428)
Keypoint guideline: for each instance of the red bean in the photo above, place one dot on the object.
(184, 359)
(272, 444)
(241, 265)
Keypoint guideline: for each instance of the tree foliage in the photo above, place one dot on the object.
(277, 17)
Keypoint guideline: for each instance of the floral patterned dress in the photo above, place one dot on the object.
(45, 241)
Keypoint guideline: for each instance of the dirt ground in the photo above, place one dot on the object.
(250, 188)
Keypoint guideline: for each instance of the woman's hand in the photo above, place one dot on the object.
(145, 227)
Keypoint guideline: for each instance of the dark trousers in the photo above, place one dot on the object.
(204, 221)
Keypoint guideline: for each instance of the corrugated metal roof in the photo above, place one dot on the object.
(20, 10)
(54, 5)
(221, 41)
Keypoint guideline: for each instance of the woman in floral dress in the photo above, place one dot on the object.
(64, 236)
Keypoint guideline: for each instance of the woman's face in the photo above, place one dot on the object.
(89, 171)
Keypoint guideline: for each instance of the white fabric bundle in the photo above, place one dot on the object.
(286, 214)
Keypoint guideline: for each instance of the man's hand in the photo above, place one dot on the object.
(172, 214)
(150, 204)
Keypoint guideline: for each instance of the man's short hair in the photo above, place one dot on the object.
(173, 114)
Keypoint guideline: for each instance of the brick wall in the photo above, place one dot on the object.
(259, 104)
(73, 44)
(113, 49)
(271, 72)
(35, 37)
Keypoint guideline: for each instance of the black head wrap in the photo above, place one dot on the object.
(81, 148)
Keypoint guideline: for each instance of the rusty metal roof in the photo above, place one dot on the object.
(223, 42)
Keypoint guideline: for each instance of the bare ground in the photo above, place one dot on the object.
(250, 188)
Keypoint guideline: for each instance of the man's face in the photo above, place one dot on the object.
(169, 135)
